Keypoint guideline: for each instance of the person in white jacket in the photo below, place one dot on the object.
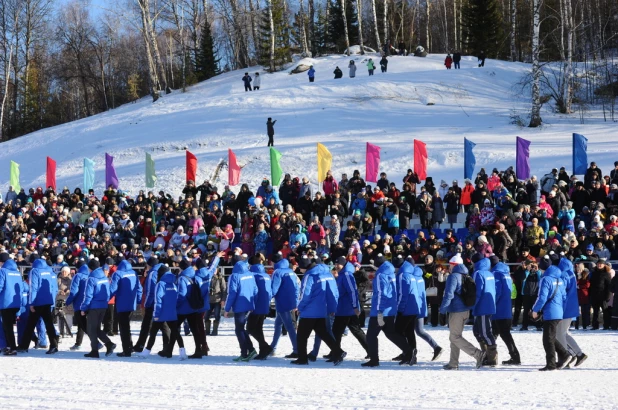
(257, 80)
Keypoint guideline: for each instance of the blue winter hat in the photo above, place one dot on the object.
(590, 247)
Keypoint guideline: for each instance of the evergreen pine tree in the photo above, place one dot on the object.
(207, 64)
(482, 26)
(282, 36)
(336, 34)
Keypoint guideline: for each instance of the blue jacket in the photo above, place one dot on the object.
(78, 287)
(311, 73)
(97, 292)
(300, 237)
(504, 286)
(206, 274)
(241, 289)
(10, 286)
(126, 287)
(165, 299)
(150, 284)
(452, 302)
(265, 289)
(571, 302)
(420, 286)
(318, 293)
(485, 289)
(186, 280)
(409, 301)
(348, 292)
(552, 307)
(384, 298)
(24, 306)
(43, 284)
(285, 287)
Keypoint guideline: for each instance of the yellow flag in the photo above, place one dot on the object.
(325, 160)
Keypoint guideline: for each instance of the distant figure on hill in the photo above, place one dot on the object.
(371, 66)
(383, 64)
(257, 80)
(481, 58)
(270, 129)
(352, 68)
(338, 73)
(311, 74)
(402, 48)
(448, 61)
(247, 80)
(457, 59)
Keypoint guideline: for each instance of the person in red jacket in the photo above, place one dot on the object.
(466, 195)
(329, 186)
(448, 61)
(583, 287)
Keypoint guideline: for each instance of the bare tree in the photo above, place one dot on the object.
(375, 23)
(359, 12)
(535, 117)
(271, 59)
(345, 27)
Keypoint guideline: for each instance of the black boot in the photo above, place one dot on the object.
(215, 328)
(207, 327)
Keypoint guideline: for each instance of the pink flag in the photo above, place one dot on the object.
(234, 170)
(420, 159)
(372, 163)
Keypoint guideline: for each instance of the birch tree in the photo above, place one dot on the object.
(360, 26)
(535, 117)
(375, 24)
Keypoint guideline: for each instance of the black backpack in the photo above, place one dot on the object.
(468, 290)
(194, 297)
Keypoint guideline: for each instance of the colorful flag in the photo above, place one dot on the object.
(522, 159)
(50, 177)
(275, 167)
(469, 159)
(580, 154)
(110, 172)
(88, 174)
(151, 175)
(420, 159)
(325, 160)
(233, 177)
(372, 161)
(191, 167)
(14, 178)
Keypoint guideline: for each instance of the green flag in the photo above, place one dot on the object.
(275, 167)
(14, 178)
(151, 176)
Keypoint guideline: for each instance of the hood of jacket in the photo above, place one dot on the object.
(257, 268)
(282, 264)
(10, 265)
(483, 264)
(168, 277)
(565, 265)
(462, 268)
(39, 264)
(83, 270)
(240, 267)
(553, 272)
(188, 273)
(407, 267)
(502, 268)
(97, 273)
(125, 266)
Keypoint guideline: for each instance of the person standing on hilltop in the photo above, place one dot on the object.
(352, 68)
(371, 66)
(247, 80)
(311, 74)
(270, 129)
(448, 61)
(457, 59)
(384, 64)
(338, 73)
(481, 58)
(256, 81)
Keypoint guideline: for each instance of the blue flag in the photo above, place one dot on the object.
(580, 156)
(522, 158)
(469, 160)
(88, 174)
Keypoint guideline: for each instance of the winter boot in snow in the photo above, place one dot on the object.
(215, 328)
(514, 360)
(183, 354)
(207, 327)
(144, 353)
(492, 355)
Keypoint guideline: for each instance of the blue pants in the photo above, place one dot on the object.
(284, 319)
(317, 342)
(214, 312)
(482, 330)
(240, 323)
(420, 332)
(40, 328)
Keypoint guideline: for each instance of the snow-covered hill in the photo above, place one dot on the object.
(389, 110)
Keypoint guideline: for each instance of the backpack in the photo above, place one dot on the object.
(194, 297)
(468, 290)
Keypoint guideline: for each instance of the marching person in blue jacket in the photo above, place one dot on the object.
(550, 301)
(186, 281)
(348, 305)
(205, 274)
(42, 295)
(128, 291)
(11, 290)
(255, 321)
(318, 298)
(286, 292)
(242, 292)
(409, 305)
(484, 307)
(76, 297)
(383, 312)
(164, 314)
(503, 318)
(152, 277)
(453, 304)
(94, 306)
(570, 310)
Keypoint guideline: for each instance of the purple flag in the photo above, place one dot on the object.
(110, 172)
(522, 159)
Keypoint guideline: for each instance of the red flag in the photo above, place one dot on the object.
(50, 180)
(233, 177)
(372, 161)
(420, 159)
(191, 167)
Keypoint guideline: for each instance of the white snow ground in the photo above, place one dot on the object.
(387, 109)
(67, 380)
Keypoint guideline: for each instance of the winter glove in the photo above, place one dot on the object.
(380, 320)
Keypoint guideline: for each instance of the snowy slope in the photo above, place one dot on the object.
(387, 109)
(69, 381)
